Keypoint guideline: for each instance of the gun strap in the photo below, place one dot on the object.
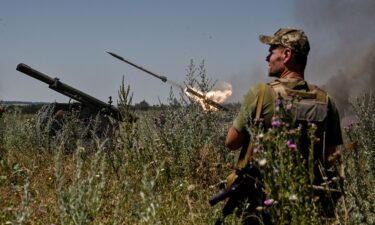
(260, 102)
(242, 162)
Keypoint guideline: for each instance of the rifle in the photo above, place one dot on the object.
(245, 188)
(244, 175)
(58, 86)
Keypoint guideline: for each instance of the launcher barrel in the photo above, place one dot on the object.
(71, 92)
(206, 100)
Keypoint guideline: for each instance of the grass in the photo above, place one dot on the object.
(161, 169)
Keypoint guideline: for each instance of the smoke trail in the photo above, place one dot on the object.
(342, 36)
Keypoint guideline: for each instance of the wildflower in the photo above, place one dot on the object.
(276, 123)
(268, 202)
(255, 150)
(262, 162)
(276, 171)
(293, 197)
(279, 101)
(289, 106)
(191, 187)
(260, 136)
(312, 125)
(291, 144)
(142, 195)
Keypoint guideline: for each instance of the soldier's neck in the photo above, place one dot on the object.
(287, 74)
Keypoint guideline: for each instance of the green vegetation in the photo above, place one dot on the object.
(163, 168)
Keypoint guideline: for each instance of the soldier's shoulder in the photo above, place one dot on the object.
(260, 86)
(316, 87)
(254, 91)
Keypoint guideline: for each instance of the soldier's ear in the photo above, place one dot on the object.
(287, 54)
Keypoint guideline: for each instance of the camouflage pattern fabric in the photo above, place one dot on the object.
(288, 37)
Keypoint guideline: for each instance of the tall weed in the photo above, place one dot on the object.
(359, 159)
(162, 167)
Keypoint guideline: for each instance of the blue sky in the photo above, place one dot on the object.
(69, 39)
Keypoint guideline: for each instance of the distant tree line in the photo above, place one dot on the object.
(23, 109)
(142, 106)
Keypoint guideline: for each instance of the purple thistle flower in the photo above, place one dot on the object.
(291, 144)
(275, 123)
(255, 150)
(279, 101)
(349, 127)
(268, 202)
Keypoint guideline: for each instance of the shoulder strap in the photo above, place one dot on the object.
(277, 89)
(244, 159)
(260, 101)
(321, 95)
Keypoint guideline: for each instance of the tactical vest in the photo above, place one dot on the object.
(311, 107)
(313, 104)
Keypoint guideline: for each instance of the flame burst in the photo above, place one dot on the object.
(211, 98)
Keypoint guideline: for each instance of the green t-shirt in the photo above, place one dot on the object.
(249, 106)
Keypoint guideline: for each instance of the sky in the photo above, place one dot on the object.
(69, 39)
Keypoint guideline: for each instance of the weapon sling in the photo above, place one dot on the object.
(246, 153)
(242, 161)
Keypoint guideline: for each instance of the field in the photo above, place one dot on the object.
(161, 169)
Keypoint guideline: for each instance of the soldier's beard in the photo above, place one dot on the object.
(276, 67)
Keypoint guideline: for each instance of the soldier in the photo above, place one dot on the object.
(287, 58)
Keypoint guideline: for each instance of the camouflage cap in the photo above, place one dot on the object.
(288, 37)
